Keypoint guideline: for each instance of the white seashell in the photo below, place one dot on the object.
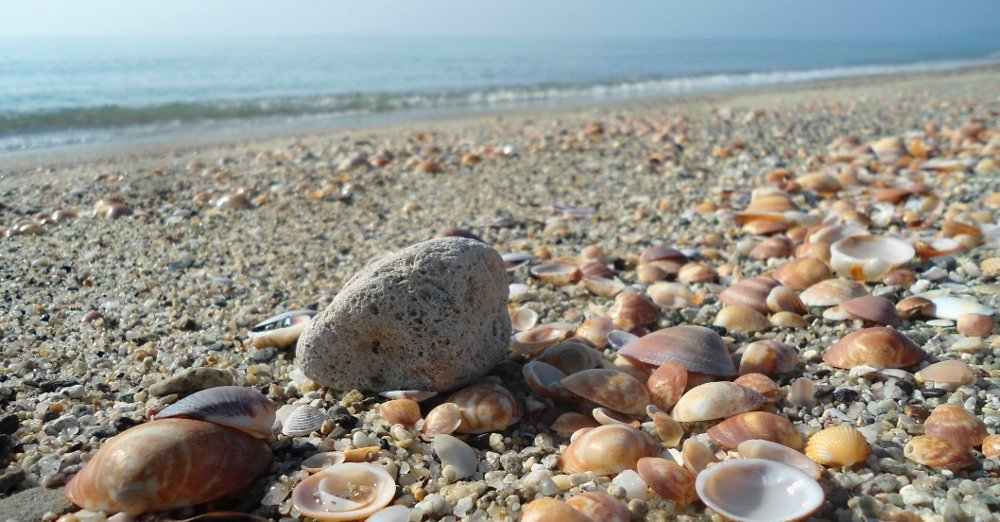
(767, 450)
(245, 409)
(397, 513)
(869, 257)
(457, 454)
(759, 490)
(518, 291)
(413, 395)
(632, 483)
(514, 260)
(523, 319)
(953, 307)
(348, 491)
(280, 331)
(533, 341)
(303, 421)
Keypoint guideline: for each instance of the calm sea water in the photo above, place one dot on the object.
(77, 91)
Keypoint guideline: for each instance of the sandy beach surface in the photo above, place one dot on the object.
(121, 268)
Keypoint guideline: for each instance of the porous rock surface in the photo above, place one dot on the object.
(432, 316)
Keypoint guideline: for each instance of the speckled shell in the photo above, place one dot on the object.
(757, 490)
(838, 446)
(698, 348)
(938, 453)
(486, 407)
(347, 491)
(765, 449)
(716, 400)
(755, 425)
(769, 357)
(750, 292)
(168, 464)
(546, 509)
(831, 292)
(667, 384)
(607, 450)
(612, 388)
(400, 411)
(956, 425)
(245, 409)
(878, 346)
(599, 506)
(802, 273)
(668, 479)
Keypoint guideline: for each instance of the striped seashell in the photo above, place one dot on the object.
(347, 491)
(245, 409)
(607, 450)
(751, 292)
(756, 489)
(632, 309)
(303, 420)
(546, 509)
(837, 446)
(668, 479)
(445, 418)
(879, 346)
(571, 357)
(698, 348)
(938, 453)
(400, 411)
(667, 384)
(953, 372)
(596, 505)
(533, 341)
(956, 425)
(716, 400)
(755, 425)
(767, 450)
(486, 407)
(612, 388)
(802, 273)
(831, 292)
(741, 319)
(761, 384)
(769, 357)
(596, 269)
(869, 308)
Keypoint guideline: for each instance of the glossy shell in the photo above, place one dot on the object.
(546, 509)
(716, 400)
(302, 421)
(751, 292)
(879, 346)
(667, 384)
(755, 425)
(612, 388)
(767, 450)
(938, 453)
(759, 490)
(742, 319)
(952, 372)
(800, 274)
(868, 258)
(486, 407)
(348, 491)
(869, 308)
(445, 418)
(400, 411)
(956, 425)
(600, 506)
(838, 446)
(168, 464)
(668, 479)
(607, 450)
(631, 310)
(698, 348)
(245, 409)
(769, 357)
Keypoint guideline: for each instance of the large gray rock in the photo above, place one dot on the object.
(432, 316)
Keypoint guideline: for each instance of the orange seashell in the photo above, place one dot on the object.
(819, 183)
(546, 509)
(631, 310)
(696, 273)
(768, 225)
(400, 411)
(772, 248)
(783, 299)
(761, 384)
(751, 292)
(669, 480)
(869, 308)
(991, 446)
(596, 330)
(802, 273)
(666, 384)
(938, 453)
(716, 400)
(571, 357)
(486, 407)
(568, 423)
(838, 446)
(444, 419)
(612, 388)
(208, 461)
(956, 425)
(755, 425)
(741, 319)
(607, 450)
(832, 292)
(556, 273)
(669, 430)
(878, 346)
(698, 348)
(769, 357)
(600, 506)
(953, 372)
(650, 273)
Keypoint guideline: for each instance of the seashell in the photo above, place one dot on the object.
(603, 286)
(413, 395)
(208, 461)
(696, 273)
(755, 425)
(751, 292)
(322, 460)
(837, 446)
(514, 260)
(608, 416)
(650, 273)
(568, 423)
(991, 446)
(556, 273)
(913, 306)
(741, 319)
(697, 456)
(596, 269)
(666, 258)
(607, 450)
(947, 307)
(767, 450)
(830, 234)
(975, 325)
(716, 400)
(803, 393)
(544, 379)
(761, 384)
(457, 454)
(546, 509)
(348, 491)
(802, 273)
(394, 513)
(280, 331)
(868, 258)
(819, 251)
(631, 310)
(612, 388)
(819, 183)
(571, 357)
(869, 308)
(788, 320)
(596, 330)
(938, 453)
(759, 490)
(668, 479)
(523, 319)
(303, 420)
(879, 346)
(956, 425)
(667, 384)
(244, 409)
(990, 266)
(444, 419)
(769, 357)
(669, 430)
(953, 372)
(535, 340)
(400, 411)
(698, 348)
(781, 298)
(832, 292)
(670, 294)
(618, 339)
(236, 201)
(596, 505)
(774, 247)
(486, 407)
(952, 228)
(931, 247)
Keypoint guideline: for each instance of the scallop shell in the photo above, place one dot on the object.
(698, 348)
(755, 425)
(953, 372)
(751, 292)
(716, 400)
(841, 445)
(207, 461)
(991, 446)
(767, 450)
(607, 450)
(868, 258)
(667, 384)
(571, 357)
(546, 509)
(445, 418)
(282, 330)
(486, 407)
(879, 346)
(759, 490)
(347, 491)
(302, 421)
(595, 330)
(742, 319)
(600, 506)
(956, 425)
(769, 357)
(400, 411)
(802, 273)
(668, 479)
(832, 292)
(869, 308)
(556, 273)
(938, 453)
(612, 388)
(245, 409)
(631, 310)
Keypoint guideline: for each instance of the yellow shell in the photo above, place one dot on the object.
(838, 446)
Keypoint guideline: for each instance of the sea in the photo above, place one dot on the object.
(85, 92)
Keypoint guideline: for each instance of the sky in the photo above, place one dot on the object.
(771, 19)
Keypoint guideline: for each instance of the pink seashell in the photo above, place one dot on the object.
(698, 348)
(612, 388)
(607, 450)
(486, 407)
(716, 400)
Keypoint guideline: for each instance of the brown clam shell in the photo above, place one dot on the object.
(444, 419)
(612, 388)
(632, 309)
(832, 292)
(750, 292)
(400, 411)
(772, 248)
(669, 480)
(755, 425)
(669, 430)
(869, 308)
(769, 357)
(761, 384)
(486, 407)
(956, 425)
(841, 445)
(698, 348)
(667, 384)
(975, 325)
(607, 450)
(697, 456)
(716, 400)
(800, 274)
(783, 299)
(696, 273)
(914, 306)
(878, 346)
(597, 505)
(741, 319)
(938, 453)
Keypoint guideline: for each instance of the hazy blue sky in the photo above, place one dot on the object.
(843, 19)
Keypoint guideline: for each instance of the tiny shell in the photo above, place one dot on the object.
(607, 450)
(765, 449)
(755, 425)
(953, 372)
(302, 421)
(400, 411)
(631, 310)
(869, 308)
(769, 357)
(523, 319)
(280, 331)
(716, 400)
(956, 425)
(991, 446)
(938, 453)
(800, 274)
(596, 330)
(245, 409)
(698, 348)
(598, 506)
(347, 491)
(878, 346)
(318, 461)
(612, 388)
(697, 456)
(546, 509)
(445, 418)
(759, 490)
(831, 292)
(841, 445)
(667, 384)
(668, 479)
(869, 257)
(486, 407)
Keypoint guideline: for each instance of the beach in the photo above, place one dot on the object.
(122, 266)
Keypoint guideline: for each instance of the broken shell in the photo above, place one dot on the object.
(716, 400)
(302, 421)
(546, 509)
(669, 430)
(879, 346)
(282, 330)
(948, 307)
(755, 425)
(751, 292)
(767, 450)
(556, 273)
(769, 357)
(544, 379)
(836, 446)
(207, 461)
(571, 357)
(668, 479)
(931, 247)
(667, 384)
(618, 339)
(514, 260)
(938, 453)
(612, 388)
(540, 337)
(400, 411)
(698, 348)
(869, 308)
(741, 319)
(245, 409)
(596, 330)
(445, 418)
(607, 450)
(523, 319)
(761, 384)
(697, 457)
(956, 425)
(953, 372)
(800, 274)
(759, 490)
(568, 423)
(600, 506)
(783, 299)
(319, 461)
(975, 325)
(868, 258)
(832, 292)
(486, 407)
(347, 491)
(991, 446)
(631, 310)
